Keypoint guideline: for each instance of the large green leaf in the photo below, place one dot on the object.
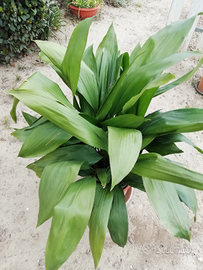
(72, 60)
(187, 195)
(70, 219)
(165, 144)
(124, 121)
(177, 121)
(182, 79)
(44, 87)
(68, 153)
(43, 140)
(165, 201)
(154, 166)
(52, 106)
(167, 148)
(99, 221)
(53, 51)
(87, 86)
(123, 144)
(118, 220)
(54, 183)
(165, 42)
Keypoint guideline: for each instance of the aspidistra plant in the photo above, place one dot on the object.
(101, 136)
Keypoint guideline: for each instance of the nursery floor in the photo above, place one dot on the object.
(149, 246)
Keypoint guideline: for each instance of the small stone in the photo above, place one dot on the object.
(130, 240)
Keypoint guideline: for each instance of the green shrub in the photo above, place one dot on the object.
(117, 3)
(22, 21)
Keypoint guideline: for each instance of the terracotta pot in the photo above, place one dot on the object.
(84, 13)
(127, 192)
(199, 86)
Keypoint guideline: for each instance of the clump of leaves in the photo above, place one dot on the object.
(23, 21)
(107, 138)
(85, 3)
(117, 3)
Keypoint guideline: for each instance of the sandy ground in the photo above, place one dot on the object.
(149, 246)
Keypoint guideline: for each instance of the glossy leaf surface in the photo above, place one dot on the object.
(165, 201)
(99, 221)
(177, 121)
(68, 153)
(70, 219)
(52, 105)
(124, 121)
(118, 220)
(129, 142)
(157, 167)
(54, 183)
(43, 140)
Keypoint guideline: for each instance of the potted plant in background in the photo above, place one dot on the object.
(101, 137)
(84, 8)
(199, 86)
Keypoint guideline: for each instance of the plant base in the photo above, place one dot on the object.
(84, 13)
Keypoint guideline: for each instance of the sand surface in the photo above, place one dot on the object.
(149, 246)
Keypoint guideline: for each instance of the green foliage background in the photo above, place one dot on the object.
(22, 21)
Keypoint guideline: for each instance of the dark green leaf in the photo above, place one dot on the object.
(68, 153)
(134, 181)
(99, 221)
(118, 219)
(124, 121)
(165, 144)
(30, 119)
(157, 167)
(177, 121)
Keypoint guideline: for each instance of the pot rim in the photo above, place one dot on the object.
(82, 9)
